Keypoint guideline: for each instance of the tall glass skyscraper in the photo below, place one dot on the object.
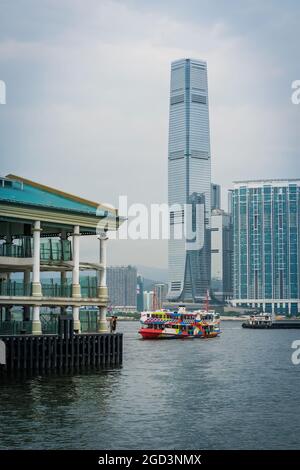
(266, 224)
(189, 189)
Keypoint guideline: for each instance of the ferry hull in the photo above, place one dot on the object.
(149, 333)
(213, 334)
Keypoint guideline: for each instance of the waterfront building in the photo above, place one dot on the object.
(189, 182)
(122, 287)
(40, 232)
(266, 244)
(221, 255)
(215, 196)
(148, 301)
(159, 295)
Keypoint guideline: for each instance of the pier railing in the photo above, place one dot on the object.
(15, 289)
(56, 250)
(53, 288)
(49, 323)
(19, 248)
(15, 327)
(51, 249)
(57, 290)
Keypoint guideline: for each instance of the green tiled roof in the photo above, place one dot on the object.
(23, 193)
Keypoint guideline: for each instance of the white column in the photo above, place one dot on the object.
(63, 283)
(102, 287)
(75, 274)
(75, 277)
(36, 282)
(36, 322)
(77, 326)
(102, 322)
(26, 308)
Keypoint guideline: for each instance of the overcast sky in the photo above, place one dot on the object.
(88, 89)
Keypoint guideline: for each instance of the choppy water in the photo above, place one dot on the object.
(236, 392)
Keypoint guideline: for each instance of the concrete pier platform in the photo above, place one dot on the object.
(37, 353)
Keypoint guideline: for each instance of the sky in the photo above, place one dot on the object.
(87, 85)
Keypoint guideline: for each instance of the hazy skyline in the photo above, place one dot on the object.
(87, 87)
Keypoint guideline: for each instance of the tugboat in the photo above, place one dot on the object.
(259, 321)
(262, 321)
(164, 324)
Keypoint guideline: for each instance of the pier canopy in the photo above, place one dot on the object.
(25, 200)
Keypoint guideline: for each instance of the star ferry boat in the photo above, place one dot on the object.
(165, 324)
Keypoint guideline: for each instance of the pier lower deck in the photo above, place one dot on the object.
(53, 352)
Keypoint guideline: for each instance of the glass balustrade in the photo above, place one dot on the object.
(49, 323)
(51, 249)
(18, 248)
(56, 250)
(49, 289)
(15, 327)
(14, 289)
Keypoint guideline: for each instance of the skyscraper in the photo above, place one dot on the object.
(189, 188)
(148, 300)
(122, 286)
(221, 254)
(266, 226)
(160, 291)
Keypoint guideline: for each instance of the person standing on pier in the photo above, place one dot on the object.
(113, 324)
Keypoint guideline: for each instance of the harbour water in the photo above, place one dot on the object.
(239, 391)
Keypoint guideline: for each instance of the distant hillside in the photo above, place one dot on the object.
(148, 272)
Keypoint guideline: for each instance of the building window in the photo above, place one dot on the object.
(177, 217)
(201, 99)
(177, 99)
(175, 285)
